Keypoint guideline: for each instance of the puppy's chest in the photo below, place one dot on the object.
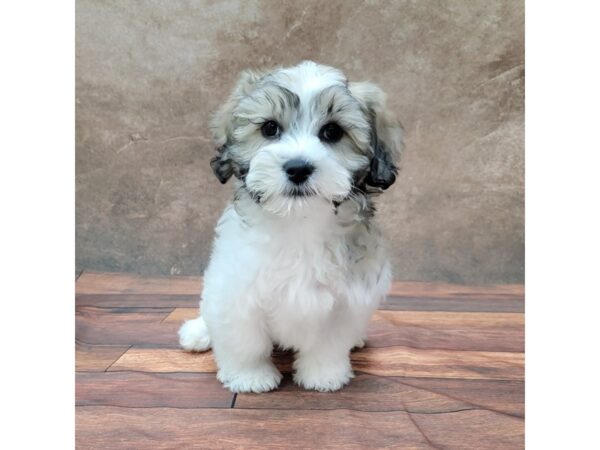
(302, 264)
(303, 276)
(305, 263)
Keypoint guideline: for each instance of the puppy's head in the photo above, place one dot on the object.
(304, 133)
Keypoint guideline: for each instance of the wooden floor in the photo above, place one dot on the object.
(443, 368)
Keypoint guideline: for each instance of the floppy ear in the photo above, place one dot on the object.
(386, 135)
(222, 126)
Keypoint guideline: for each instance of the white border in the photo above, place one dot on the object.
(37, 203)
(562, 224)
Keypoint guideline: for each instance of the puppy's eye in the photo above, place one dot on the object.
(331, 133)
(270, 129)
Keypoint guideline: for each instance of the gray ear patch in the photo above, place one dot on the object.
(382, 173)
(222, 166)
(386, 135)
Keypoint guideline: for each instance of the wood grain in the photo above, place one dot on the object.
(137, 300)
(506, 396)
(105, 327)
(116, 289)
(472, 429)
(136, 390)
(410, 362)
(508, 304)
(122, 315)
(176, 360)
(430, 318)
(443, 368)
(416, 395)
(180, 315)
(448, 320)
(161, 428)
(515, 305)
(365, 393)
(164, 360)
(96, 357)
(416, 289)
(122, 283)
(500, 332)
(384, 361)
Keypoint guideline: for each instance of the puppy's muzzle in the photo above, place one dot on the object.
(298, 170)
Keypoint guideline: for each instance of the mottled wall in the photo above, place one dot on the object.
(150, 72)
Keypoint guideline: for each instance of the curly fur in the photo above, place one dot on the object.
(302, 268)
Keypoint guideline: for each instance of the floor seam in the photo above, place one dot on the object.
(420, 430)
(168, 314)
(475, 405)
(120, 356)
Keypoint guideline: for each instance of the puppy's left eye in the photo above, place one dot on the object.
(331, 133)
(270, 129)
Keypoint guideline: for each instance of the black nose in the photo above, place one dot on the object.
(298, 170)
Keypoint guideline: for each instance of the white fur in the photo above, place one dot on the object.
(291, 272)
(193, 335)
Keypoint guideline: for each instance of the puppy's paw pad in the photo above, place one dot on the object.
(261, 379)
(193, 336)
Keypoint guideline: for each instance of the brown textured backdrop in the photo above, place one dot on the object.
(149, 73)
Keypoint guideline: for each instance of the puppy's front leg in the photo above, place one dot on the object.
(243, 354)
(325, 366)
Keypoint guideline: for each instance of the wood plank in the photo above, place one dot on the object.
(452, 320)
(122, 283)
(125, 327)
(97, 358)
(417, 289)
(117, 289)
(411, 362)
(508, 305)
(384, 361)
(115, 428)
(498, 332)
(443, 367)
(180, 315)
(514, 305)
(416, 395)
(116, 314)
(164, 360)
(176, 360)
(365, 393)
(506, 396)
(410, 317)
(134, 389)
(474, 429)
(137, 300)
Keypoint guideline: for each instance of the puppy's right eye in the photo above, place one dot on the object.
(270, 129)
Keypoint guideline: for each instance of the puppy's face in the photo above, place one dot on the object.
(305, 133)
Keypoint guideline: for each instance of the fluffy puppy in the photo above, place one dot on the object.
(297, 260)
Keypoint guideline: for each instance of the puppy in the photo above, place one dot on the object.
(297, 261)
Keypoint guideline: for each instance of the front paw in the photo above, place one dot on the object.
(322, 377)
(263, 378)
